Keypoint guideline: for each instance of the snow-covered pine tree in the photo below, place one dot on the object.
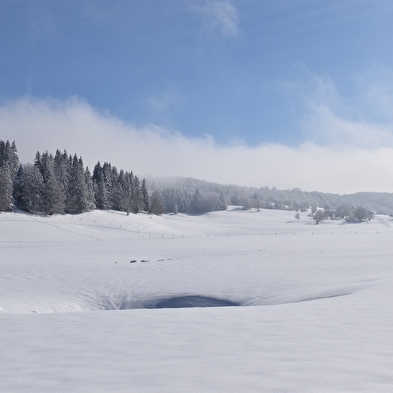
(133, 205)
(145, 196)
(14, 161)
(137, 204)
(29, 186)
(62, 170)
(7, 176)
(108, 183)
(101, 193)
(9, 158)
(19, 188)
(128, 191)
(6, 200)
(9, 165)
(90, 190)
(78, 201)
(53, 196)
(119, 193)
(37, 161)
(114, 189)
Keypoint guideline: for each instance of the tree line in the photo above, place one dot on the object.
(179, 193)
(60, 183)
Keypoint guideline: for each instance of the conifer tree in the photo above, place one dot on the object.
(133, 205)
(9, 158)
(108, 184)
(29, 186)
(6, 200)
(19, 188)
(145, 196)
(115, 190)
(137, 203)
(128, 191)
(9, 165)
(120, 196)
(78, 200)
(62, 170)
(14, 161)
(101, 192)
(89, 190)
(53, 196)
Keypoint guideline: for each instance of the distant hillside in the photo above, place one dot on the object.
(193, 195)
(381, 202)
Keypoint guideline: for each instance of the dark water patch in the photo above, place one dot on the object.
(128, 302)
(187, 301)
(193, 301)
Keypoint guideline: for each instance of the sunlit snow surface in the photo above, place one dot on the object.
(235, 301)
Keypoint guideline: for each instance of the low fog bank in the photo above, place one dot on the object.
(40, 125)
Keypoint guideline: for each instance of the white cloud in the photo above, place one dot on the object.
(219, 15)
(74, 125)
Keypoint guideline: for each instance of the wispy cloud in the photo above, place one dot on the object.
(327, 128)
(361, 116)
(163, 101)
(375, 92)
(74, 125)
(218, 16)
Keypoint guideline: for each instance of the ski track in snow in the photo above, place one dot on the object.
(62, 229)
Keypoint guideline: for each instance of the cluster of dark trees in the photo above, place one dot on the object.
(121, 190)
(54, 185)
(61, 184)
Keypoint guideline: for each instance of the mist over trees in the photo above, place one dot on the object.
(188, 195)
(60, 183)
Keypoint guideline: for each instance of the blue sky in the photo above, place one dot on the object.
(308, 79)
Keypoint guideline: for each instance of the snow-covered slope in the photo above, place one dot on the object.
(307, 308)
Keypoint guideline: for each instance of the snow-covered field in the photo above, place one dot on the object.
(306, 308)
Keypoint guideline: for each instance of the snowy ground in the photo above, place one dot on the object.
(312, 304)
